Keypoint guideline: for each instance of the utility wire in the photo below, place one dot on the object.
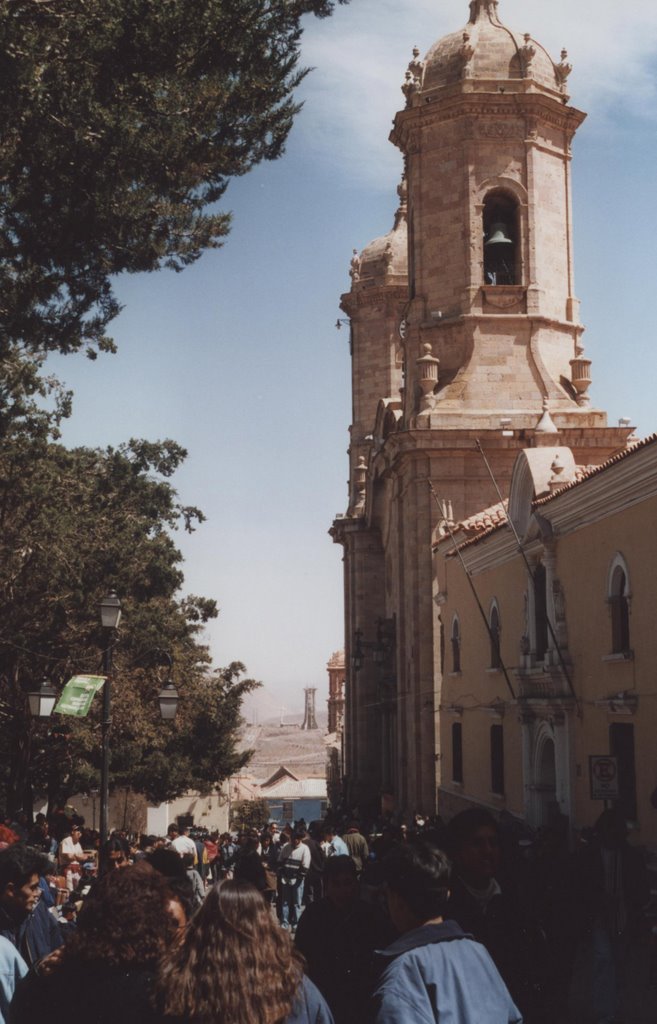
(553, 636)
(495, 644)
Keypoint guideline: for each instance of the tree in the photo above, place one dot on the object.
(72, 524)
(122, 123)
(246, 814)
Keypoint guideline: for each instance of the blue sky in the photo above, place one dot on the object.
(238, 357)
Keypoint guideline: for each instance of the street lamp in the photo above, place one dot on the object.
(168, 697)
(110, 616)
(42, 700)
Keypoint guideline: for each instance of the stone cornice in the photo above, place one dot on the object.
(461, 105)
(501, 318)
(389, 295)
(343, 526)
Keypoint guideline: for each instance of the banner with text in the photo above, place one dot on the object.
(78, 694)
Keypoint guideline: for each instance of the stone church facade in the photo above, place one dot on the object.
(466, 342)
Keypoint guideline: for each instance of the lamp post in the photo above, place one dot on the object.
(42, 700)
(168, 696)
(110, 616)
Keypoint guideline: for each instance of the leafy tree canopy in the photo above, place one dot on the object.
(122, 124)
(72, 525)
(246, 814)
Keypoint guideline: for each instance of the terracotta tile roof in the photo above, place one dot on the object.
(487, 519)
(586, 472)
(484, 523)
(478, 526)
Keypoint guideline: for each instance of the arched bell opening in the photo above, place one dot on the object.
(501, 246)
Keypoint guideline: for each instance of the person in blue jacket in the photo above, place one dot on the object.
(12, 969)
(24, 918)
(434, 971)
(235, 964)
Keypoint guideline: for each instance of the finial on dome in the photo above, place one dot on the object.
(546, 424)
(479, 8)
(563, 70)
(413, 79)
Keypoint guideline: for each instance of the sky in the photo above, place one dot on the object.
(238, 358)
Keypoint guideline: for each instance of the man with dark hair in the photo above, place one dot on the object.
(24, 919)
(434, 972)
(293, 864)
(487, 902)
(338, 936)
(356, 844)
(312, 889)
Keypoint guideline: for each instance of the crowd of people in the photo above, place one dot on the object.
(473, 922)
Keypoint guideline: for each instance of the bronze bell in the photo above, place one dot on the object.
(498, 235)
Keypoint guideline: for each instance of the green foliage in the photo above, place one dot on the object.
(247, 814)
(73, 524)
(122, 123)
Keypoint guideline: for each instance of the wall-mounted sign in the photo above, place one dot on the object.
(603, 776)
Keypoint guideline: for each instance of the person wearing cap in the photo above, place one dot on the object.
(70, 849)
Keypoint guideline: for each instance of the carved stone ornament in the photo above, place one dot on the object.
(556, 481)
(581, 375)
(563, 70)
(428, 377)
(467, 52)
(527, 52)
(478, 8)
(500, 129)
(413, 78)
(360, 478)
(354, 269)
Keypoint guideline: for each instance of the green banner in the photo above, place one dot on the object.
(78, 694)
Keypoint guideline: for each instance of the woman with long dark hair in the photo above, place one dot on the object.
(105, 972)
(236, 965)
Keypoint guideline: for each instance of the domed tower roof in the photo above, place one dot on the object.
(385, 259)
(485, 50)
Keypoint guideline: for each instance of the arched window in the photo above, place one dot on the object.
(501, 249)
(456, 645)
(619, 602)
(494, 628)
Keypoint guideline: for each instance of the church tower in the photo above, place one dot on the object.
(465, 330)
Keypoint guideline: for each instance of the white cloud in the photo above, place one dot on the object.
(360, 57)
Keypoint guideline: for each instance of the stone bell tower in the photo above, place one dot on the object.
(465, 329)
(487, 134)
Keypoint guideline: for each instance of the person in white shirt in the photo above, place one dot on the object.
(293, 864)
(181, 842)
(70, 849)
